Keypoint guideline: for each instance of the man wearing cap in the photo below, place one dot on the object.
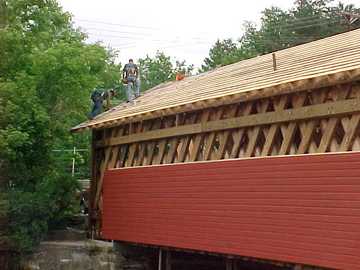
(131, 78)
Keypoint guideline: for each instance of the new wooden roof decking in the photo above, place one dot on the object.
(331, 60)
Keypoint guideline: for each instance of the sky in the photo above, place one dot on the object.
(184, 30)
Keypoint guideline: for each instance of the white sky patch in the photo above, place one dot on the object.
(184, 30)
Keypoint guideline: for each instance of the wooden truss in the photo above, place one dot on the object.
(318, 121)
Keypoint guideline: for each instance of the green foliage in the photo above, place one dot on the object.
(48, 205)
(224, 52)
(159, 69)
(307, 21)
(47, 73)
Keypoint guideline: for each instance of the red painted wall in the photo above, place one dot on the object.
(303, 209)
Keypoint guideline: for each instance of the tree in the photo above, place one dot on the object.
(307, 21)
(223, 52)
(47, 73)
(159, 69)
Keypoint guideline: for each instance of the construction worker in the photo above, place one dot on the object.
(180, 75)
(98, 96)
(131, 78)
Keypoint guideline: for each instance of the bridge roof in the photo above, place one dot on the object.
(312, 65)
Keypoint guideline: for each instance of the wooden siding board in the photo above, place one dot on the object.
(301, 209)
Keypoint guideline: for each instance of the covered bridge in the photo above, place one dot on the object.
(257, 159)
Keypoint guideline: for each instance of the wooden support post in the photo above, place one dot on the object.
(274, 61)
(160, 259)
(229, 264)
(235, 265)
(73, 163)
(168, 260)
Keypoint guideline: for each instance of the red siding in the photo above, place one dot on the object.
(303, 209)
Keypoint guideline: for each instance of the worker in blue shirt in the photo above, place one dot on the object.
(131, 78)
(98, 97)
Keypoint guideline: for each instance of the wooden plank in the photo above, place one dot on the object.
(351, 133)
(103, 167)
(224, 137)
(168, 260)
(93, 184)
(199, 138)
(124, 150)
(253, 136)
(142, 146)
(307, 128)
(307, 133)
(171, 154)
(184, 142)
(288, 137)
(237, 137)
(289, 132)
(174, 141)
(327, 135)
(270, 138)
(161, 146)
(134, 147)
(151, 145)
(210, 138)
(307, 112)
(115, 150)
(332, 123)
(238, 134)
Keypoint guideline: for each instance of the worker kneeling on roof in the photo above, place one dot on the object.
(131, 78)
(98, 97)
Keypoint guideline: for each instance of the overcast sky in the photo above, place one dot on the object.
(184, 30)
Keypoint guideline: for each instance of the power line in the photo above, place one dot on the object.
(115, 36)
(118, 24)
(116, 31)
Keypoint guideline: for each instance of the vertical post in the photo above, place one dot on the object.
(235, 265)
(160, 259)
(168, 260)
(228, 262)
(274, 61)
(93, 180)
(73, 163)
(176, 119)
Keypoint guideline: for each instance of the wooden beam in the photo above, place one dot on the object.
(160, 259)
(308, 112)
(185, 142)
(210, 139)
(350, 133)
(103, 167)
(168, 260)
(199, 137)
(321, 80)
(224, 137)
(279, 105)
(327, 135)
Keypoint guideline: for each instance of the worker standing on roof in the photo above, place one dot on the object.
(131, 78)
